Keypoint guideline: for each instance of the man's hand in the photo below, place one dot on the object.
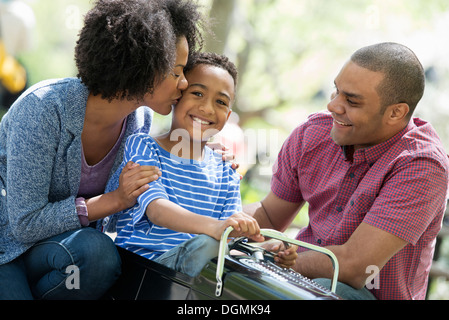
(284, 256)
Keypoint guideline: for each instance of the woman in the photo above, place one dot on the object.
(62, 139)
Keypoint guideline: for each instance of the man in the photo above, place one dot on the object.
(375, 179)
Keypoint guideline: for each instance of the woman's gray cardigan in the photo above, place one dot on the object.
(40, 162)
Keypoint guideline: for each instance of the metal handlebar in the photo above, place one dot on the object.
(223, 250)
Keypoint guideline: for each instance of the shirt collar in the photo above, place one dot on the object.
(372, 154)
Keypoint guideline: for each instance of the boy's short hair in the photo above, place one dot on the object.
(213, 59)
(127, 46)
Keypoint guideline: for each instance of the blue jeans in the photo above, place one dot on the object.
(80, 264)
(347, 292)
(191, 256)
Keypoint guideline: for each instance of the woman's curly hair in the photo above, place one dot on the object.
(126, 47)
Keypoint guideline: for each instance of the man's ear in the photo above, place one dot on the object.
(398, 112)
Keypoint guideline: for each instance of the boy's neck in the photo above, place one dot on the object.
(182, 147)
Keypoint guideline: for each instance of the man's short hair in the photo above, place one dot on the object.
(404, 79)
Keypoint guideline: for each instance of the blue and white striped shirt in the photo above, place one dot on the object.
(209, 187)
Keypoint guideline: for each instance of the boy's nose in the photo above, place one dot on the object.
(207, 107)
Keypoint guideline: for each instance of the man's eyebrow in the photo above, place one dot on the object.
(351, 95)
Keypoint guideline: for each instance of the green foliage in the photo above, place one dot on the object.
(57, 26)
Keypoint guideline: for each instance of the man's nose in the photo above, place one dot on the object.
(335, 105)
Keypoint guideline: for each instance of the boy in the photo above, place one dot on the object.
(198, 193)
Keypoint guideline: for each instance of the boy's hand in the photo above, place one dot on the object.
(244, 226)
(134, 181)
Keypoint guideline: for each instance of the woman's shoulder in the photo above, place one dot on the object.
(52, 100)
(51, 87)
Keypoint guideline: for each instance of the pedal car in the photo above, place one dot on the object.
(241, 271)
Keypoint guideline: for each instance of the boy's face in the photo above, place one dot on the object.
(206, 103)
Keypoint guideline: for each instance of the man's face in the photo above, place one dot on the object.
(356, 108)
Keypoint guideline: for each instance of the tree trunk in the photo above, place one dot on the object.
(221, 16)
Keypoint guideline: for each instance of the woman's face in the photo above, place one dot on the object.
(169, 90)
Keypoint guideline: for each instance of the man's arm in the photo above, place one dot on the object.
(273, 212)
(367, 246)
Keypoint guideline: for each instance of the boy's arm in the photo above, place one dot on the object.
(233, 202)
(165, 213)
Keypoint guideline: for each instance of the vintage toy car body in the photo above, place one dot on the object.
(240, 272)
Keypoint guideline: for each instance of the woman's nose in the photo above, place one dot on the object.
(183, 84)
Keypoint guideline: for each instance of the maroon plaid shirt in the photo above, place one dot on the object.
(399, 186)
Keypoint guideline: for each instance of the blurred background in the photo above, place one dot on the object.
(288, 53)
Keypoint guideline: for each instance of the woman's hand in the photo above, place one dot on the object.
(133, 181)
(224, 151)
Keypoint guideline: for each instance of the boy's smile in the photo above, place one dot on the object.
(203, 109)
(201, 121)
(206, 103)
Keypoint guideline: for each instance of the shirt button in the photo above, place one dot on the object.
(352, 202)
(3, 192)
(318, 241)
(105, 221)
(352, 175)
(339, 209)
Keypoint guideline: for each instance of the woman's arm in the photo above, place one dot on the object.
(133, 181)
(38, 206)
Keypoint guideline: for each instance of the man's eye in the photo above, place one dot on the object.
(198, 94)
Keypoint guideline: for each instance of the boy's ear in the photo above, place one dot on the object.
(229, 114)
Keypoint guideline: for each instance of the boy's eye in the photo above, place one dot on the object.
(198, 94)
(221, 102)
(175, 75)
